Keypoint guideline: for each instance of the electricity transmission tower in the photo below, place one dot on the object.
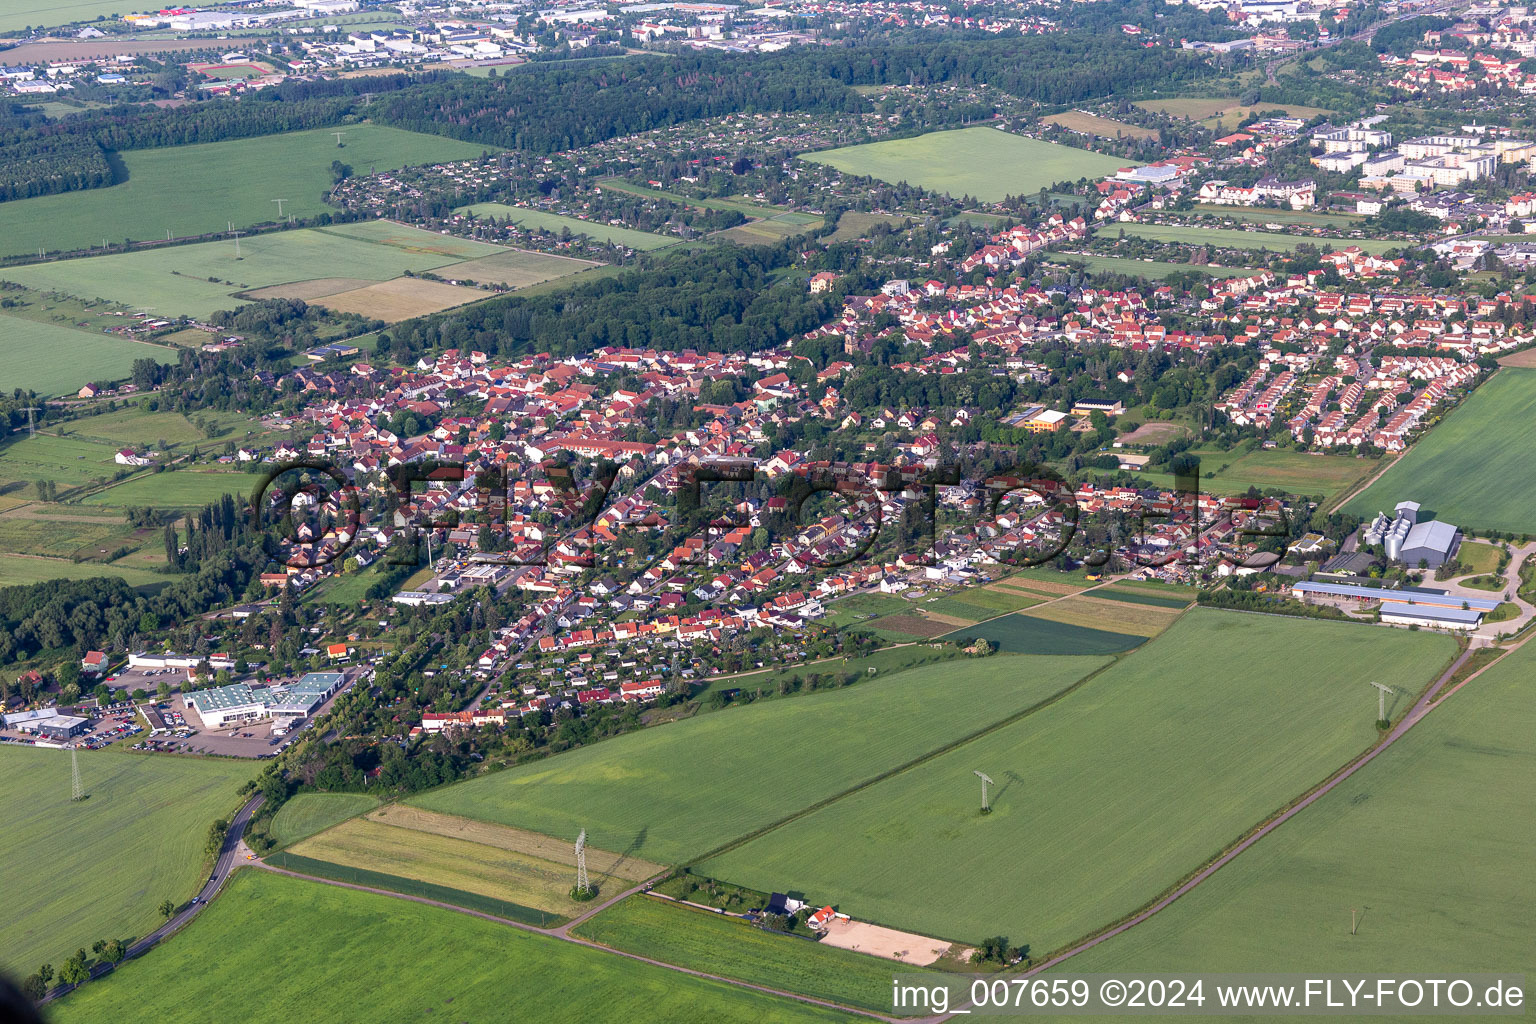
(338, 138)
(986, 781)
(76, 790)
(279, 203)
(237, 245)
(1381, 700)
(582, 886)
(31, 412)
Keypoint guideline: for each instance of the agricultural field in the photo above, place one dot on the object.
(986, 163)
(1084, 123)
(1236, 238)
(198, 279)
(19, 14)
(53, 531)
(57, 360)
(859, 608)
(852, 225)
(1024, 633)
(77, 872)
(1322, 476)
(277, 934)
(733, 948)
(769, 230)
(19, 570)
(308, 813)
(449, 862)
(1453, 804)
(886, 661)
(400, 299)
(194, 190)
(1178, 749)
(67, 461)
(519, 268)
(175, 489)
(554, 222)
(1152, 270)
(1144, 618)
(1473, 469)
(680, 790)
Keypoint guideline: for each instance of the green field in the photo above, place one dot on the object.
(1024, 634)
(184, 488)
(58, 360)
(333, 947)
(1431, 841)
(642, 240)
(1473, 469)
(862, 607)
(175, 280)
(73, 873)
(1154, 270)
(19, 14)
(193, 190)
(67, 461)
(1105, 798)
(1236, 238)
(681, 790)
(19, 570)
(733, 948)
(1139, 597)
(986, 163)
(1343, 221)
(308, 813)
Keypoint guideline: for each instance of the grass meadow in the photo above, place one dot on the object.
(1431, 841)
(197, 279)
(1237, 238)
(1108, 796)
(193, 190)
(703, 941)
(1473, 469)
(19, 570)
(56, 360)
(554, 222)
(681, 790)
(1153, 270)
(274, 934)
(73, 873)
(182, 488)
(19, 14)
(308, 813)
(986, 163)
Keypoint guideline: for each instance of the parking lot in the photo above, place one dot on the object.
(148, 680)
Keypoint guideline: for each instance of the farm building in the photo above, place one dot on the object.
(1409, 541)
(1408, 605)
(1403, 614)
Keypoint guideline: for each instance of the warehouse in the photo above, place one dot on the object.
(1401, 613)
(230, 705)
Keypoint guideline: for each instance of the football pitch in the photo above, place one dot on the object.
(1105, 798)
(1475, 469)
(73, 873)
(193, 190)
(986, 163)
(332, 946)
(681, 790)
(1430, 842)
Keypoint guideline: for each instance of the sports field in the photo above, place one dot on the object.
(1430, 842)
(58, 360)
(680, 790)
(642, 240)
(308, 813)
(1025, 633)
(1235, 238)
(1105, 798)
(192, 190)
(1474, 468)
(986, 163)
(730, 947)
(73, 873)
(274, 934)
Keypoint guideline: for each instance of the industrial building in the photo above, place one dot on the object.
(1406, 606)
(235, 704)
(1411, 542)
(47, 723)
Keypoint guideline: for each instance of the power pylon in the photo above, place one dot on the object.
(76, 790)
(582, 886)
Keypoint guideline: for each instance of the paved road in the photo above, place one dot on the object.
(230, 855)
